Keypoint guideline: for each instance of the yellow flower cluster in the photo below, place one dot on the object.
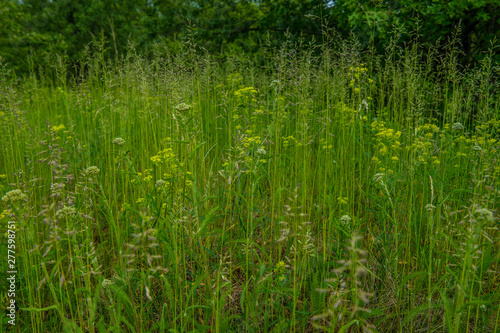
(188, 181)
(58, 128)
(245, 95)
(475, 141)
(5, 213)
(491, 126)
(422, 144)
(165, 155)
(345, 115)
(280, 271)
(388, 143)
(427, 130)
(357, 74)
(146, 176)
(342, 200)
(251, 141)
(324, 144)
(290, 141)
(245, 91)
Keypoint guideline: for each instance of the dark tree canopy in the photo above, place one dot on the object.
(47, 27)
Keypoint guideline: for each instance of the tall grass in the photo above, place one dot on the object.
(329, 190)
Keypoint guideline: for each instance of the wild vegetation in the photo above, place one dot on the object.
(43, 28)
(332, 189)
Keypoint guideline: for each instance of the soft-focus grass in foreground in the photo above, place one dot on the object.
(341, 192)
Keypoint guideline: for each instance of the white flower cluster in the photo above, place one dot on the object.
(92, 171)
(430, 207)
(15, 195)
(345, 220)
(160, 183)
(484, 215)
(119, 142)
(182, 107)
(105, 283)
(379, 178)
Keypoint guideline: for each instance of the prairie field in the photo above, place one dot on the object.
(324, 189)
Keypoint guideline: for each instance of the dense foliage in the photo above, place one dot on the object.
(44, 27)
(321, 193)
(250, 166)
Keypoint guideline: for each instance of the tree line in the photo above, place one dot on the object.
(43, 28)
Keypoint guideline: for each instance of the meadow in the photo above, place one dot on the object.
(330, 190)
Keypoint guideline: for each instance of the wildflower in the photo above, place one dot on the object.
(379, 178)
(345, 220)
(119, 142)
(160, 183)
(156, 159)
(5, 213)
(66, 212)
(245, 91)
(165, 155)
(182, 107)
(342, 200)
(484, 214)
(58, 128)
(92, 171)
(105, 283)
(15, 195)
(435, 160)
(457, 126)
(430, 207)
